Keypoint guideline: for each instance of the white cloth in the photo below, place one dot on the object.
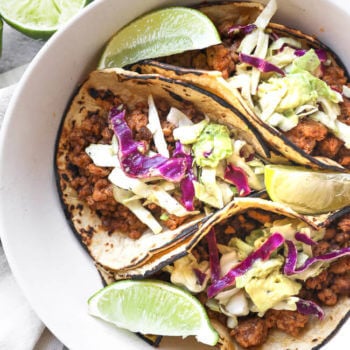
(20, 327)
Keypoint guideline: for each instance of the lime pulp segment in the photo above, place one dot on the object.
(153, 307)
(307, 191)
(39, 18)
(160, 33)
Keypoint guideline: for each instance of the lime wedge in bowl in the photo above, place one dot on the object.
(39, 19)
(153, 307)
(307, 191)
(160, 33)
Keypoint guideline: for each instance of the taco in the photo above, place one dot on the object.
(143, 161)
(269, 277)
(288, 84)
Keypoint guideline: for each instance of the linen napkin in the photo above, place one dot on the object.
(20, 327)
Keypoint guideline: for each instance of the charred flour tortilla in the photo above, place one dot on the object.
(280, 329)
(110, 249)
(310, 142)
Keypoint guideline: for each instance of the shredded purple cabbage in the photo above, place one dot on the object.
(244, 29)
(186, 183)
(290, 266)
(274, 36)
(248, 157)
(321, 54)
(206, 154)
(304, 238)
(261, 64)
(201, 276)
(132, 156)
(308, 307)
(213, 256)
(291, 259)
(237, 177)
(263, 253)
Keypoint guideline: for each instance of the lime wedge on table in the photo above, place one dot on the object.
(160, 33)
(307, 191)
(39, 18)
(153, 307)
(1, 25)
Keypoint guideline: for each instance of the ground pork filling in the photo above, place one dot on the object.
(91, 182)
(311, 136)
(325, 289)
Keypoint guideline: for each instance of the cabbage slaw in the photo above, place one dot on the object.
(274, 70)
(260, 272)
(174, 182)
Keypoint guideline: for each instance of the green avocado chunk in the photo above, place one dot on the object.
(267, 292)
(213, 145)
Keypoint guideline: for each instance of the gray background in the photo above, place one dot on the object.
(17, 49)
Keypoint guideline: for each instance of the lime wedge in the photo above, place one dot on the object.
(1, 26)
(153, 307)
(307, 191)
(160, 33)
(39, 18)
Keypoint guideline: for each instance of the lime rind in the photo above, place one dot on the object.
(160, 33)
(153, 307)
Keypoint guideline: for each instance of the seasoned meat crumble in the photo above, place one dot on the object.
(310, 136)
(91, 181)
(325, 289)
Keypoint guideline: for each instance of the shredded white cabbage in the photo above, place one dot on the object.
(226, 191)
(346, 91)
(331, 109)
(280, 42)
(232, 322)
(265, 16)
(253, 39)
(325, 109)
(241, 81)
(176, 117)
(304, 110)
(164, 185)
(228, 261)
(343, 132)
(287, 304)
(224, 297)
(253, 170)
(237, 305)
(269, 101)
(282, 122)
(283, 58)
(208, 190)
(261, 52)
(135, 206)
(102, 155)
(188, 134)
(339, 129)
(312, 271)
(249, 43)
(152, 193)
(156, 129)
(183, 273)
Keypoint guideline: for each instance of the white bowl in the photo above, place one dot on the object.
(55, 273)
